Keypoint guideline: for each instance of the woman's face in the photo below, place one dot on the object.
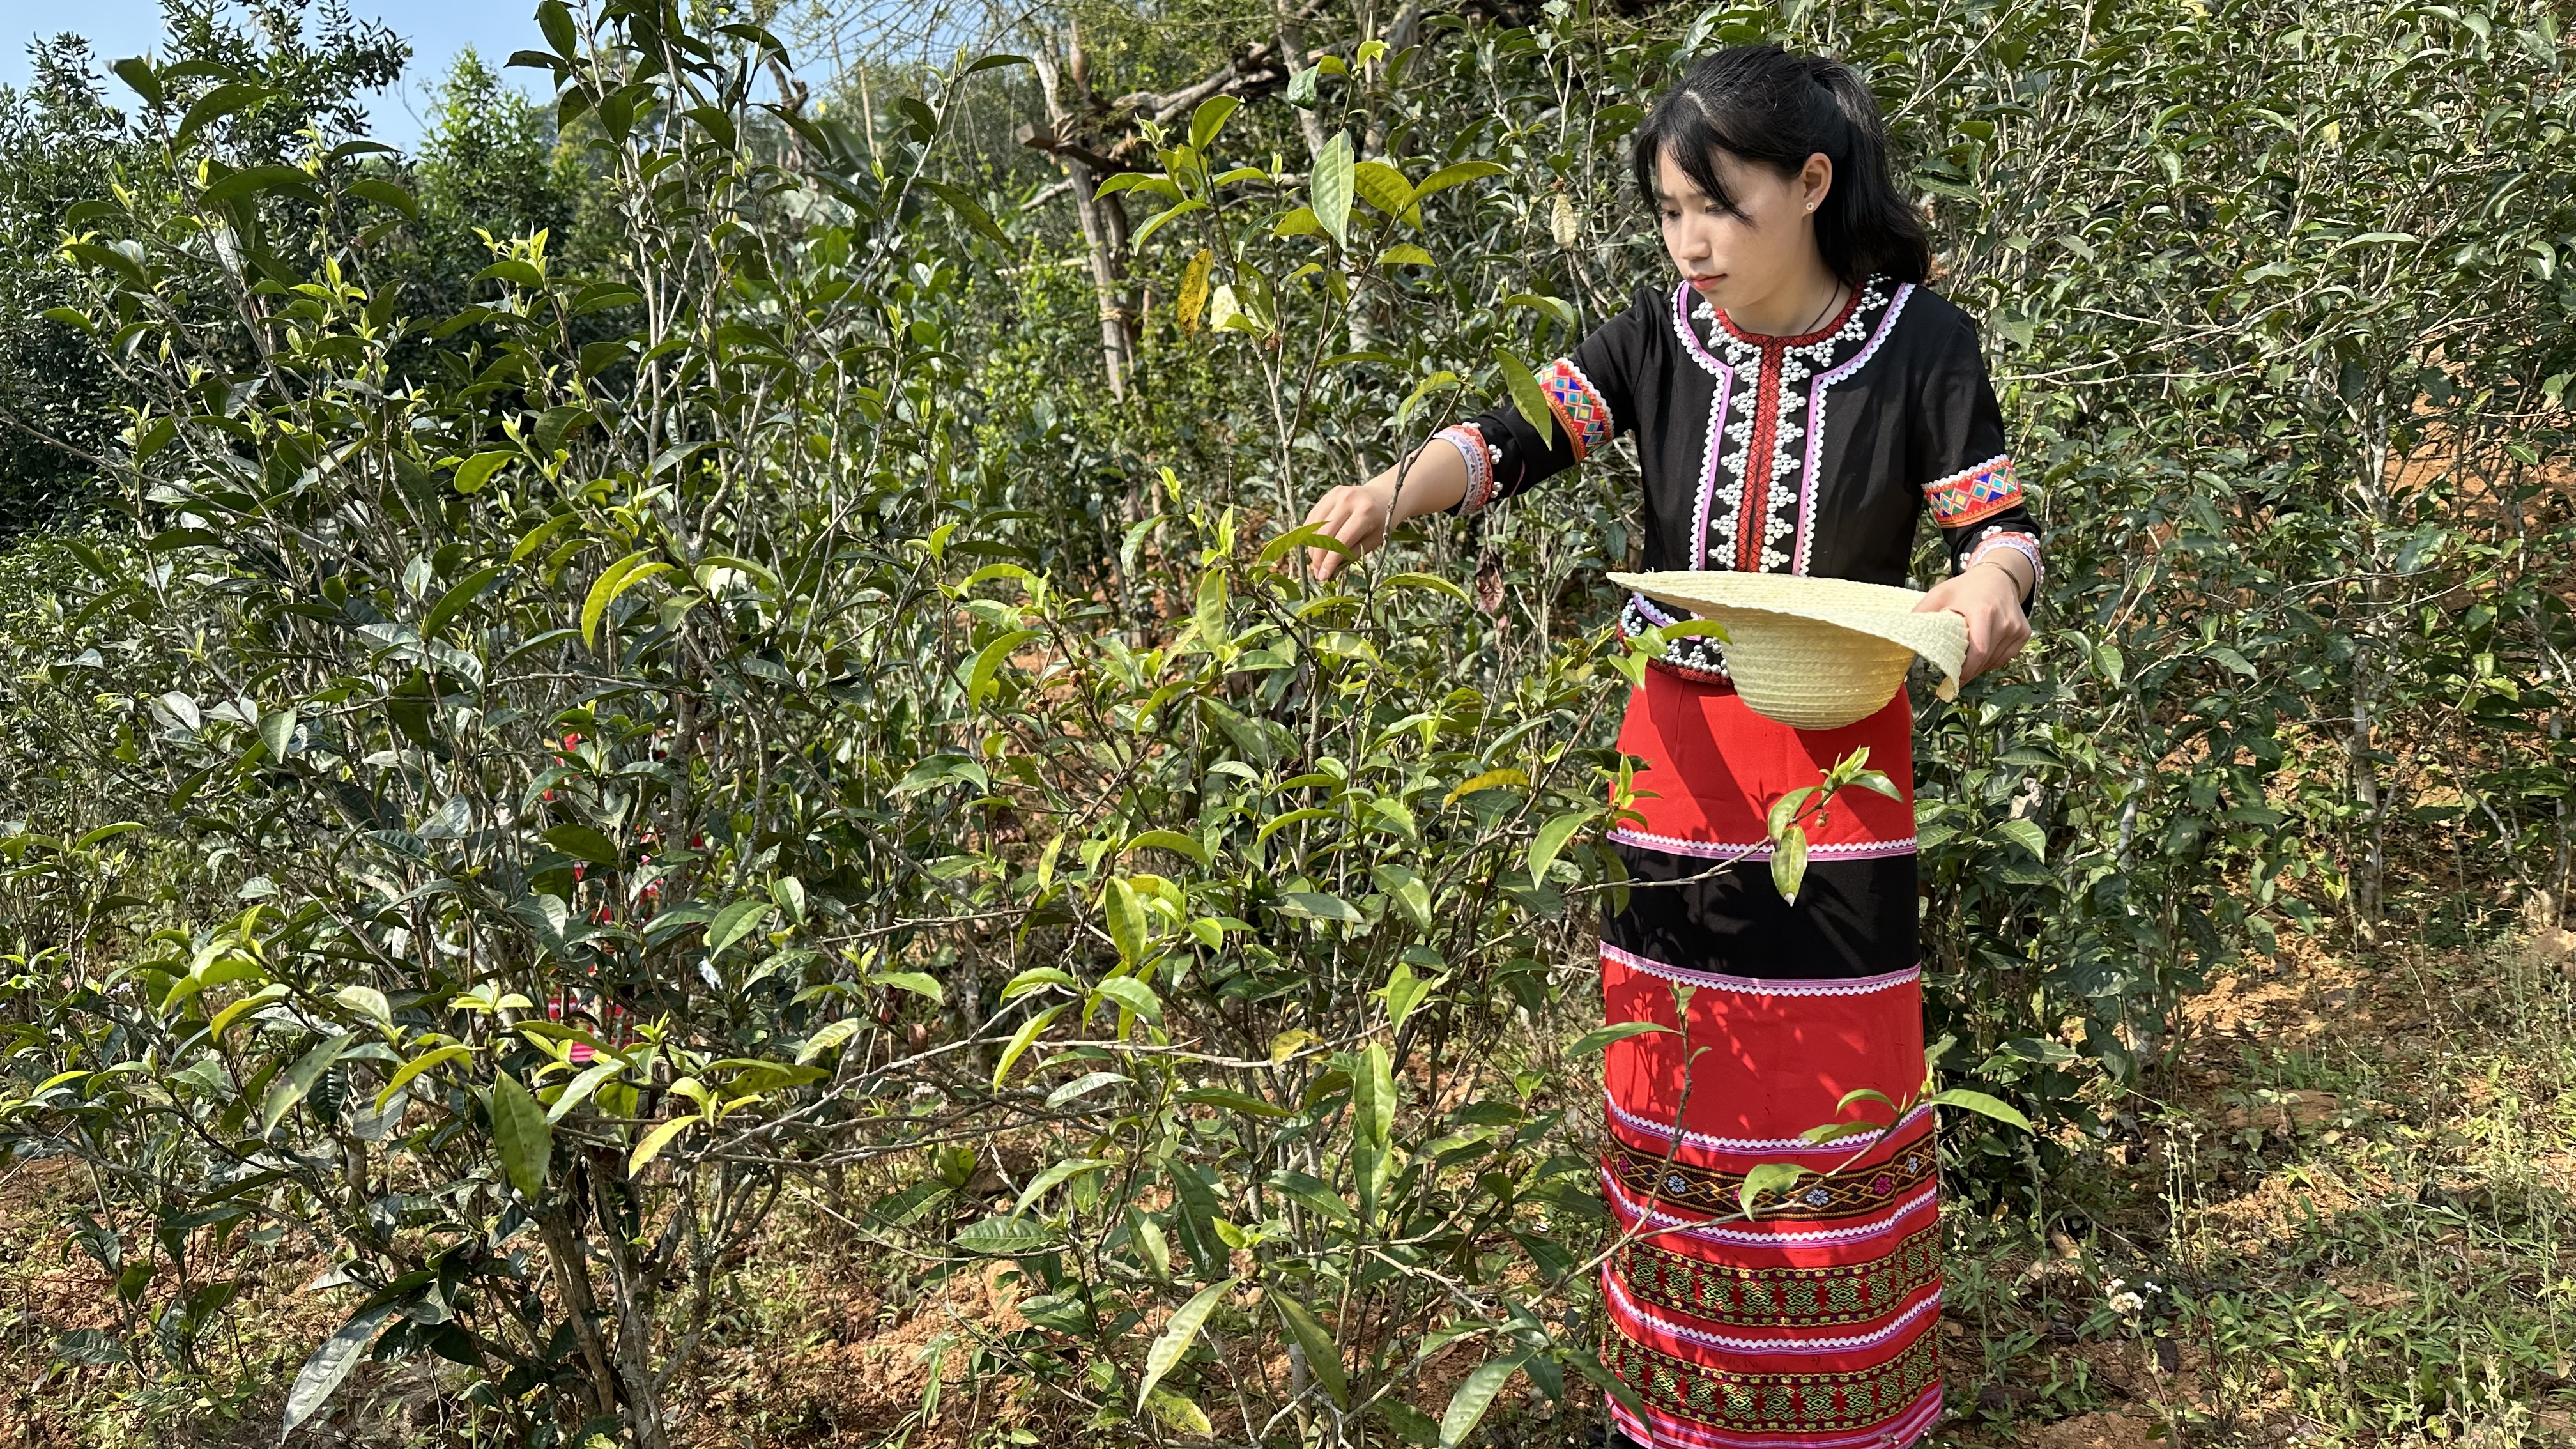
(1754, 255)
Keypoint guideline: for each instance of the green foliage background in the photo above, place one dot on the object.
(633, 664)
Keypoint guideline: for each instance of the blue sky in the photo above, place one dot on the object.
(437, 30)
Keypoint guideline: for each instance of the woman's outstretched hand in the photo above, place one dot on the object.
(1359, 516)
(1354, 515)
(1989, 598)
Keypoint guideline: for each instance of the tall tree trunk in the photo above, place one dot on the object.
(572, 1278)
(2368, 867)
(2369, 856)
(634, 1347)
(1104, 221)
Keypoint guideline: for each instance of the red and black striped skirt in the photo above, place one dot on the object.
(1808, 1325)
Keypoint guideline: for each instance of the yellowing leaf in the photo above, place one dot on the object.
(1789, 863)
(1181, 1412)
(1194, 289)
(1127, 926)
(1490, 780)
(612, 581)
(655, 1140)
(1020, 1041)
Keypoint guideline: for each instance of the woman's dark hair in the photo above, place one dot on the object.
(1766, 105)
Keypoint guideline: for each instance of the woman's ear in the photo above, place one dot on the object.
(1816, 180)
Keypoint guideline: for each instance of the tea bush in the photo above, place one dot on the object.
(524, 789)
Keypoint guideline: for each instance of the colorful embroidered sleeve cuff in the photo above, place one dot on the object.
(1997, 540)
(1578, 406)
(1479, 458)
(1973, 494)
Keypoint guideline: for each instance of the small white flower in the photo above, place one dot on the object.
(2127, 1305)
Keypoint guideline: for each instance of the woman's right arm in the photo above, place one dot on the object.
(1591, 397)
(1360, 516)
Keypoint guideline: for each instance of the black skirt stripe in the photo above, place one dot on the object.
(1851, 918)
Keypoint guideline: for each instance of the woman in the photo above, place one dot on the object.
(1798, 400)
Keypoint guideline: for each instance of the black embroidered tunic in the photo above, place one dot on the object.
(1807, 455)
(1808, 1325)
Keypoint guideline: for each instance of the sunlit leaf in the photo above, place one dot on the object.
(1600, 1037)
(1981, 1104)
(1768, 1179)
(1178, 1335)
(1330, 188)
(526, 1139)
(1474, 1395)
(329, 1365)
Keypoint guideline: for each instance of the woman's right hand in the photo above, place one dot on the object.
(1355, 516)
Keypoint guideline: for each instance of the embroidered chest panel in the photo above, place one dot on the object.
(1762, 459)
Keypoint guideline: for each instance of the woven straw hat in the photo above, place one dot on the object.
(1816, 654)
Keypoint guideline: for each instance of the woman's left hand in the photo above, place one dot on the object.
(1989, 598)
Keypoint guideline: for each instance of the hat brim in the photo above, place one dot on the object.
(1871, 611)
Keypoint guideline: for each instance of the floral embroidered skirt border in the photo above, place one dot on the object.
(1809, 1326)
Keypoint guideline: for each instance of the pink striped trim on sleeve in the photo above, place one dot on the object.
(1478, 455)
(2015, 540)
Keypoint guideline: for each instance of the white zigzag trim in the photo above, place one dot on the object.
(1690, 339)
(1710, 459)
(1662, 1431)
(1903, 1321)
(1763, 985)
(1655, 613)
(1712, 1232)
(1761, 849)
(1763, 1144)
(1971, 471)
